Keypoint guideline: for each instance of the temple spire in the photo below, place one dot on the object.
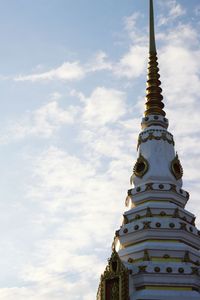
(154, 104)
(156, 250)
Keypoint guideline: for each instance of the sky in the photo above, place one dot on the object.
(72, 94)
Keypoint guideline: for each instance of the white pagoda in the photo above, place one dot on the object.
(156, 251)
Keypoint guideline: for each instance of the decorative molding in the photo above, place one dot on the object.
(154, 120)
(174, 215)
(155, 134)
(183, 226)
(195, 271)
(114, 282)
(149, 187)
(147, 225)
(142, 269)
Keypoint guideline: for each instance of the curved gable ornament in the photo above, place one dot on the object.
(114, 282)
(140, 169)
(176, 168)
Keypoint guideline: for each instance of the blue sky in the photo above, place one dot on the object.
(72, 88)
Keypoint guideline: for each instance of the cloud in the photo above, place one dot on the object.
(43, 122)
(138, 34)
(179, 61)
(175, 10)
(129, 66)
(132, 64)
(56, 96)
(63, 186)
(67, 71)
(99, 63)
(130, 22)
(104, 106)
(70, 71)
(186, 70)
(184, 36)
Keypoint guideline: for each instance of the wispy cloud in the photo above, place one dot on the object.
(138, 35)
(43, 122)
(129, 66)
(130, 22)
(99, 62)
(175, 10)
(67, 71)
(70, 71)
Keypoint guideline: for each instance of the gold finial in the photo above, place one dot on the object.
(154, 104)
(152, 42)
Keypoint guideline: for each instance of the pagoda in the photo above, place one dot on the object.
(155, 253)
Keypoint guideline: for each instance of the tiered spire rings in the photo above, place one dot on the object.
(154, 104)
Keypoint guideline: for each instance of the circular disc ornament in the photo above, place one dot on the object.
(141, 167)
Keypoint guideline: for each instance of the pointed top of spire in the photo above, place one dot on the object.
(152, 42)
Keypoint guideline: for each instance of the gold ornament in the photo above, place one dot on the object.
(140, 168)
(176, 168)
(114, 281)
(154, 104)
